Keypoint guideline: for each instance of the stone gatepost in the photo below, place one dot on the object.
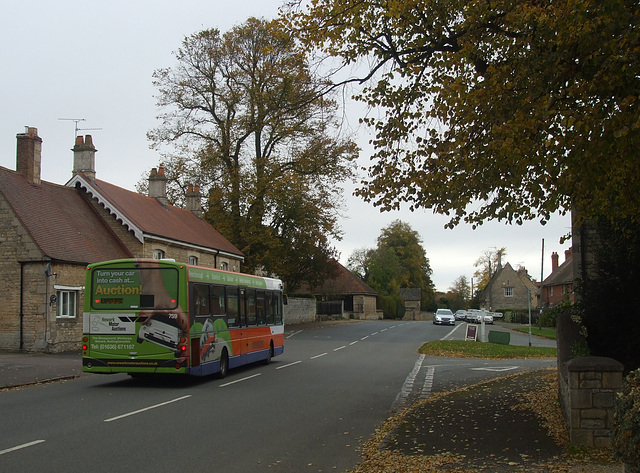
(593, 383)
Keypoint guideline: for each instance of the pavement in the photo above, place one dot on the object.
(22, 369)
(479, 428)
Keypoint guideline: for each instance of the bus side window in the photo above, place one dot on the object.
(200, 300)
(218, 303)
(269, 308)
(251, 307)
(233, 315)
(260, 310)
(242, 307)
(277, 302)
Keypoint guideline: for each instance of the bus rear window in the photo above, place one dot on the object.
(134, 288)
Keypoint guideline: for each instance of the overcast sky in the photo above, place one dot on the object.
(93, 60)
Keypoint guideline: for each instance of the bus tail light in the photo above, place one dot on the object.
(181, 352)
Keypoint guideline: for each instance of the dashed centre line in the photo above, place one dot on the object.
(147, 409)
(20, 447)
(289, 364)
(335, 349)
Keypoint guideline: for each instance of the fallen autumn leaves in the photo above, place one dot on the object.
(510, 424)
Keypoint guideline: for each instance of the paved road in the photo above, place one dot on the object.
(308, 410)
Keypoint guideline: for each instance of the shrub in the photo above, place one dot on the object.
(392, 306)
(626, 423)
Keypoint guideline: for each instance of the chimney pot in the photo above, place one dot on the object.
(29, 154)
(193, 202)
(554, 261)
(158, 185)
(84, 157)
(568, 254)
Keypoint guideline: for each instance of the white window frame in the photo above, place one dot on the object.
(224, 266)
(158, 254)
(71, 292)
(508, 291)
(193, 260)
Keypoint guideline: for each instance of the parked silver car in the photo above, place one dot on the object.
(444, 317)
(460, 314)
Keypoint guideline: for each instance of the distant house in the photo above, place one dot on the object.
(346, 294)
(50, 232)
(412, 297)
(558, 286)
(509, 289)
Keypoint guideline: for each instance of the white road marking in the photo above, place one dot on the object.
(340, 348)
(240, 380)
(290, 364)
(317, 356)
(428, 381)
(20, 447)
(496, 368)
(407, 387)
(147, 408)
(451, 332)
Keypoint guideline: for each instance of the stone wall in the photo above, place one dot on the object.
(299, 310)
(22, 271)
(588, 386)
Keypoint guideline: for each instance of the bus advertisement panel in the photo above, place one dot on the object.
(159, 316)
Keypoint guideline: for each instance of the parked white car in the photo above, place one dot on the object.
(473, 316)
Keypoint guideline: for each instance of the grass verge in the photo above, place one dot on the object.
(540, 332)
(469, 349)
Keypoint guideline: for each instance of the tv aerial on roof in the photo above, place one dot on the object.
(76, 121)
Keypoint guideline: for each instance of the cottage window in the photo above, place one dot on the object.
(193, 260)
(508, 292)
(224, 265)
(66, 304)
(158, 254)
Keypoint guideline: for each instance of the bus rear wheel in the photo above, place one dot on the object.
(224, 364)
(267, 360)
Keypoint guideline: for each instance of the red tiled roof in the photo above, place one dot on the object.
(342, 281)
(60, 222)
(563, 274)
(153, 218)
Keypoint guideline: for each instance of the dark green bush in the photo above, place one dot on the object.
(626, 423)
(392, 306)
(610, 304)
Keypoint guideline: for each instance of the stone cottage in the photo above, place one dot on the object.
(509, 289)
(50, 232)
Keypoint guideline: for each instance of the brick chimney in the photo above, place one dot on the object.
(554, 261)
(84, 157)
(29, 155)
(158, 185)
(568, 254)
(193, 202)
